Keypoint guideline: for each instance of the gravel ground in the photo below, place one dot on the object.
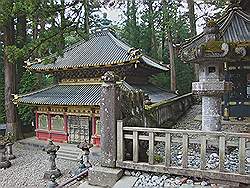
(146, 179)
(28, 168)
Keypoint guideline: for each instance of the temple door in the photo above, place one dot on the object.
(78, 129)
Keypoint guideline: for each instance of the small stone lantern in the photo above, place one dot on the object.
(9, 145)
(85, 146)
(84, 159)
(52, 149)
(4, 161)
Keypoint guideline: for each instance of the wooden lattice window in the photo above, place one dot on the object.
(43, 121)
(57, 123)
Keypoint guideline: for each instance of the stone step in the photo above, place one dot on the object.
(67, 158)
(69, 152)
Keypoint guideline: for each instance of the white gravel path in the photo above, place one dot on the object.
(28, 168)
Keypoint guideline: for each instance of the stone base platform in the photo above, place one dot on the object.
(104, 177)
(125, 181)
(47, 175)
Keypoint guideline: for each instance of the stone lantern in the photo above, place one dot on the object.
(210, 53)
(4, 161)
(85, 146)
(9, 139)
(84, 159)
(211, 85)
(52, 149)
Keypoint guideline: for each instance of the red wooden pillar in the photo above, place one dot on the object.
(93, 125)
(93, 130)
(37, 124)
(65, 121)
(49, 125)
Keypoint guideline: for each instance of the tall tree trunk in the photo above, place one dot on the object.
(192, 23)
(171, 59)
(2, 110)
(9, 75)
(20, 42)
(191, 16)
(163, 29)
(86, 18)
(63, 20)
(134, 30)
(151, 28)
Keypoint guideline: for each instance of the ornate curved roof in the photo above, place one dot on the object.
(77, 94)
(102, 49)
(232, 28)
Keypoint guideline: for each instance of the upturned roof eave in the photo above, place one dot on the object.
(223, 22)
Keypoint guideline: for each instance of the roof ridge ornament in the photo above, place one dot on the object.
(110, 77)
(135, 53)
(240, 50)
(211, 30)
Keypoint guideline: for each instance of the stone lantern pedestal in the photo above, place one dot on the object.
(9, 151)
(211, 89)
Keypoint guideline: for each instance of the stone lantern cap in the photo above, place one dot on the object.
(84, 146)
(224, 40)
(110, 77)
(51, 147)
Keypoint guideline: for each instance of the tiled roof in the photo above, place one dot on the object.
(103, 48)
(84, 94)
(156, 94)
(235, 26)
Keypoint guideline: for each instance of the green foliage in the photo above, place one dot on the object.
(184, 78)
(28, 83)
(156, 19)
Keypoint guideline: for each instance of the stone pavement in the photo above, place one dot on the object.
(124, 182)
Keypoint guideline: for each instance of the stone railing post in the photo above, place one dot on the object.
(109, 113)
(107, 174)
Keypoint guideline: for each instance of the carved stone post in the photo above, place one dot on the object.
(51, 149)
(107, 175)
(109, 113)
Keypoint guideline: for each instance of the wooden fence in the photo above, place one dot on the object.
(221, 140)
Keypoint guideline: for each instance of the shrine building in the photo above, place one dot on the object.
(69, 111)
(222, 51)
